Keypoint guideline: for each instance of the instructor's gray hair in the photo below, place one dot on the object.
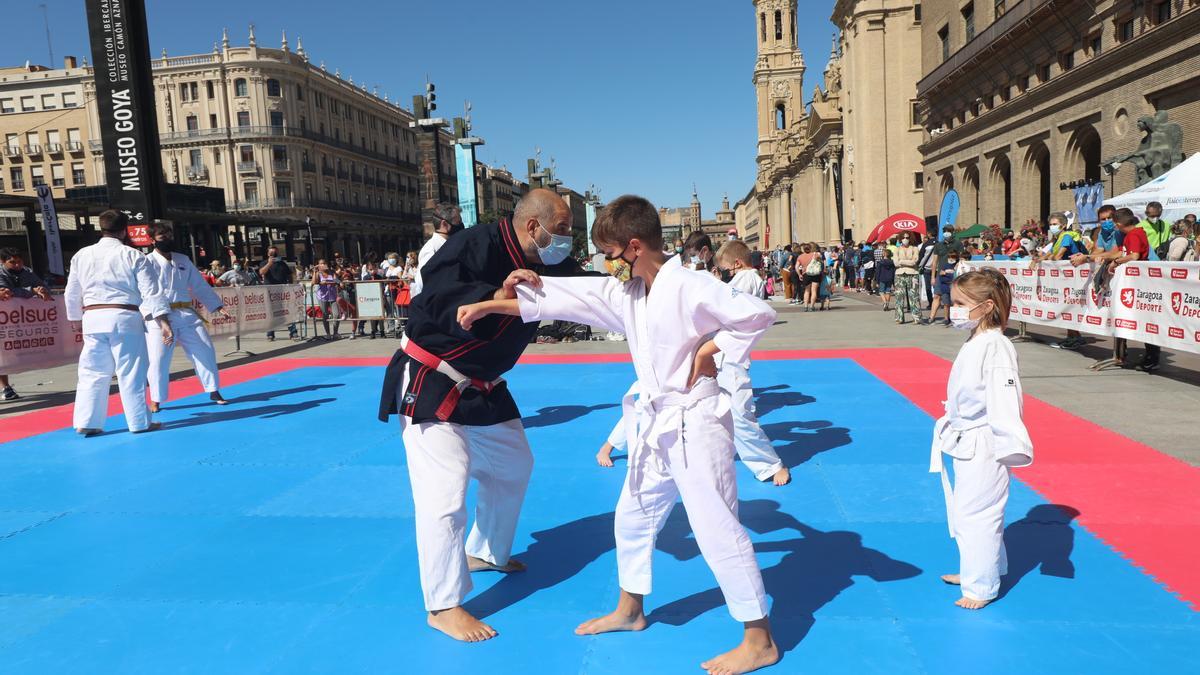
(541, 210)
(445, 211)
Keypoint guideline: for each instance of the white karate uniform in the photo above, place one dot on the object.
(114, 340)
(681, 444)
(181, 283)
(983, 433)
(749, 441)
(435, 242)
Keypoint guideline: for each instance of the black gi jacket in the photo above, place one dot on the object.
(470, 267)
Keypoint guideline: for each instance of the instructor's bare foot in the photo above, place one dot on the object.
(746, 657)
(782, 476)
(154, 407)
(217, 398)
(480, 565)
(952, 579)
(969, 603)
(154, 426)
(613, 623)
(460, 625)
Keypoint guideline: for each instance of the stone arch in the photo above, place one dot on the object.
(1036, 179)
(1000, 188)
(1081, 157)
(968, 193)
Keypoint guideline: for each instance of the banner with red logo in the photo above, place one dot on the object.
(1158, 303)
(1155, 302)
(36, 334)
(1055, 294)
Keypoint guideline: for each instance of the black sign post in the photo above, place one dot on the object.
(125, 100)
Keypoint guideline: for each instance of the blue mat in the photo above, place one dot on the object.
(275, 535)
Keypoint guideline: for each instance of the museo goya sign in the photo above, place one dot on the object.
(125, 100)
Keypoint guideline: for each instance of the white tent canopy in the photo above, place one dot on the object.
(1178, 190)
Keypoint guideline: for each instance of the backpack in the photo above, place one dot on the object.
(814, 266)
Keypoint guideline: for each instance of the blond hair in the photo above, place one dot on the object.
(734, 251)
(986, 284)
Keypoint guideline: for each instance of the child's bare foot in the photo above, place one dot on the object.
(154, 407)
(460, 625)
(757, 650)
(604, 456)
(613, 623)
(952, 579)
(968, 603)
(782, 476)
(480, 565)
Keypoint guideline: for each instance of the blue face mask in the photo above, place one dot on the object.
(557, 250)
(1107, 226)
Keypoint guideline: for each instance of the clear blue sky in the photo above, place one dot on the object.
(634, 96)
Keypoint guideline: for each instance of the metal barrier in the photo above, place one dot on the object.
(370, 300)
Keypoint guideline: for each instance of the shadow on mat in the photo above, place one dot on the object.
(555, 556)
(1043, 538)
(805, 440)
(259, 397)
(815, 569)
(557, 414)
(263, 412)
(768, 401)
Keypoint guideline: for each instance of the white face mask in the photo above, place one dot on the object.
(961, 318)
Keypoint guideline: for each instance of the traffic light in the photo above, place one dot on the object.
(431, 96)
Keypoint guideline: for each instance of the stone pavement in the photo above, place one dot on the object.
(1151, 409)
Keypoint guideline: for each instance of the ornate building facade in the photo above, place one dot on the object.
(832, 167)
(1020, 98)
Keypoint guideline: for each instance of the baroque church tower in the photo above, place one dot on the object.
(778, 73)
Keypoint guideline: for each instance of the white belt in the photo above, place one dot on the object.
(942, 430)
(657, 423)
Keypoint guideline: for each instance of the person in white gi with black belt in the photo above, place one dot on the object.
(181, 283)
(458, 418)
(109, 286)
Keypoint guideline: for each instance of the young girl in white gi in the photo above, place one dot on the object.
(983, 434)
(752, 445)
(679, 431)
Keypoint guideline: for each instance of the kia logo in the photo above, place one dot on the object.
(906, 224)
(1127, 297)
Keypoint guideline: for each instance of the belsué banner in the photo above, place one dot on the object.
(125, 101)
(36, 334)
(1155, 302)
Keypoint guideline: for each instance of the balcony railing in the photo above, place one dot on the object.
(33, 150)
(282, 166)
(310, 167)
(247, 167)
(199, 172)
(12, 151)
(96, 146)
(18, 185)
(327, 171)
(74, 146)
(356, 177)
(299, 202)
(184, 61)
(54, 148)
(192, 135)
(343, 174)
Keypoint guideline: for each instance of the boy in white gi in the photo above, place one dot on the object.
(983, 434)
(180, 282)
(680, 431)
(752, 445)
(109, 287)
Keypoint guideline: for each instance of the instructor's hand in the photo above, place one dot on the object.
(168, 335)
(704, 365)
(509, 290)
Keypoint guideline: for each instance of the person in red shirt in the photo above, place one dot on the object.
(1136, 246)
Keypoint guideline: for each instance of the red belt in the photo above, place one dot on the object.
(461, 382)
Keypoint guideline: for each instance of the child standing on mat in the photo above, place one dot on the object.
(751, 443)
(982, 432)
(679, 431)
